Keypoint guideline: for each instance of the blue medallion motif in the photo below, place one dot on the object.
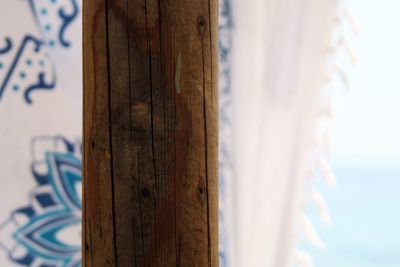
(47, 232)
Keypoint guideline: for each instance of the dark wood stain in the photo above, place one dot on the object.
(150, 133)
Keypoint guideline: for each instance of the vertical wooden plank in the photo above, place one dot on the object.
(99, 239)
(190, 22)
(211, 108)
(164, 123)
(141, 128)
(151, 103)
(126, 187)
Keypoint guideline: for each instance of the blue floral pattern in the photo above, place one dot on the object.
(42, 231)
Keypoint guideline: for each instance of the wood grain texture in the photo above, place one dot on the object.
(150, 133)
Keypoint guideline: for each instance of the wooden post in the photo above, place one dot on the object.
(150, 133)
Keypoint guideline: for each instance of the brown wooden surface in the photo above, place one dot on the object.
(150, 133)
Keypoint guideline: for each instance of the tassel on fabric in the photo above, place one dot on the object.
(303, 259)
(349, 50)
(337, 69)
(327, 172)
(322, 207)
(323, 144)
(311, 235)
(355, 25)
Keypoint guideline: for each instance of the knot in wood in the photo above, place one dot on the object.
(201, 25)
(202, 191)
(145, 192)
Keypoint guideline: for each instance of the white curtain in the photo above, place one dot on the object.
(279, 53)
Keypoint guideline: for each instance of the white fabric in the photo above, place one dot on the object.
(278, 69)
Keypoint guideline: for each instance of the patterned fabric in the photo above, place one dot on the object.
(25, 63)
(40, 114)
(48, 229)
(225, 130)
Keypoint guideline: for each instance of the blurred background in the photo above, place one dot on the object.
(365, 204)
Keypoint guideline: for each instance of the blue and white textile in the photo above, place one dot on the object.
(40, 129)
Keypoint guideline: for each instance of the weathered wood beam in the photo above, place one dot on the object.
(150, 133)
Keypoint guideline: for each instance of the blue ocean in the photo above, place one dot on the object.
(365, 209)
